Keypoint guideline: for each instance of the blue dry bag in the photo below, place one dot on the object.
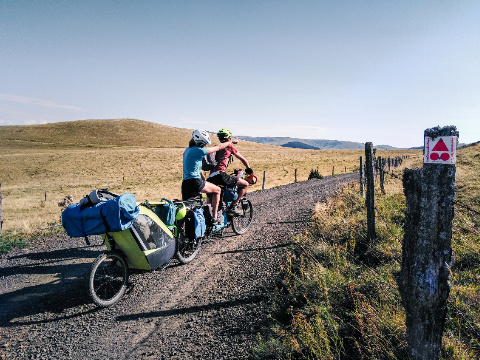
(107, 216)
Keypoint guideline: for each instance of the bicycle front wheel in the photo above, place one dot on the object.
(241, 223)
(187, 249)
(108, 278)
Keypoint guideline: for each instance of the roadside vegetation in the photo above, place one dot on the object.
(40, 165)
(335, 302)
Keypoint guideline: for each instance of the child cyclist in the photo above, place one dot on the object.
(218, 174)
(193, 178)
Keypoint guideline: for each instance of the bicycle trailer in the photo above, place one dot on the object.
(148, 244)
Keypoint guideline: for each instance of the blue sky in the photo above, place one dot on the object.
(380, 71)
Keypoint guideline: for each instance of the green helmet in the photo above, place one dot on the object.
(224, 135)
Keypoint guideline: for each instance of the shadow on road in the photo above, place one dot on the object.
(194, 309)
(55, 284)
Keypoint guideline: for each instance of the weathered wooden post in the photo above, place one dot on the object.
(263, 185)
(362, 177)
(426, 250)
(333, 170)
(1, 200)
(295, 176)
(370, 197)
(381, 170)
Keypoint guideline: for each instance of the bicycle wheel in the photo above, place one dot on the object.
(108, 278)
(187, 249)
(241, 223)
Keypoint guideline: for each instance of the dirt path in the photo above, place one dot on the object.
(212, 308)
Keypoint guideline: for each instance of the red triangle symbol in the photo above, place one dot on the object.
(440, 146)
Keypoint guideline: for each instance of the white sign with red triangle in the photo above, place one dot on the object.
(441, 150)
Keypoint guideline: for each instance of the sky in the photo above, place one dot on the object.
(380, 71)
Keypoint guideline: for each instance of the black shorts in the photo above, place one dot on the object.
(192, 188)
(223, 179)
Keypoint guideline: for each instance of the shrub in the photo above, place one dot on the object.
(314, 175)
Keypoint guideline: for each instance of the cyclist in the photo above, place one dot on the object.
(193, 178)
(218, 174)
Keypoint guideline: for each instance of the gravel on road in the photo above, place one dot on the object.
(212, 308)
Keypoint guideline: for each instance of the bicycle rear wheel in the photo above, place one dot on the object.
(108, 278)
(187, 249)
(241, 223)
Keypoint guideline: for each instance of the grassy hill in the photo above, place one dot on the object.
(94, 133)
(42, 164)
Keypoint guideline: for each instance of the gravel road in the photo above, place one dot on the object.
(212, 308)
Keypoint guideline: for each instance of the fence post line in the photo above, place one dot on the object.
(263, 185)
(295, 175)
(333, 170)
(370, 197)
(424, 277)
(362, 178)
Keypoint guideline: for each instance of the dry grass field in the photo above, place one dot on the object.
(125, 155)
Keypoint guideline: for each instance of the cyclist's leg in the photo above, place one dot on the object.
(210, 188)
(242, 190)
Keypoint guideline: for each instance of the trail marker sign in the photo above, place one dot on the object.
(440, 150)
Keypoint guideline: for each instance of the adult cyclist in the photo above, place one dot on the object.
(218, 174)
(193, 178)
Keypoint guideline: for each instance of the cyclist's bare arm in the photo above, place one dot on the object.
(222, 145)
(242, 159)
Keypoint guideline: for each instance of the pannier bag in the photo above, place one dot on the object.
(107, 216)
(195, 224)
(166, 212)
(230, 194)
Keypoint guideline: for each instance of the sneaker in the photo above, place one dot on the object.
(217, 221)
(235, 210)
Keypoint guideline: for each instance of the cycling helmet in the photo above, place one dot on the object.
(224, 135)
(201, 137)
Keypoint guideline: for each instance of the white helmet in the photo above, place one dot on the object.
(201, 137)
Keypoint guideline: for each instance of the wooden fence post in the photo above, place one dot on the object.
(370, 197)
(381, 170)
(295, 175)
(1, 200)
(426, 250)
(263, 185)
(333, 170)
(362, 178)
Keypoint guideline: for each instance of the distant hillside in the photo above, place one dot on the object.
(95, 133)
(104, 133)
(315, 144)
(299, 145)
